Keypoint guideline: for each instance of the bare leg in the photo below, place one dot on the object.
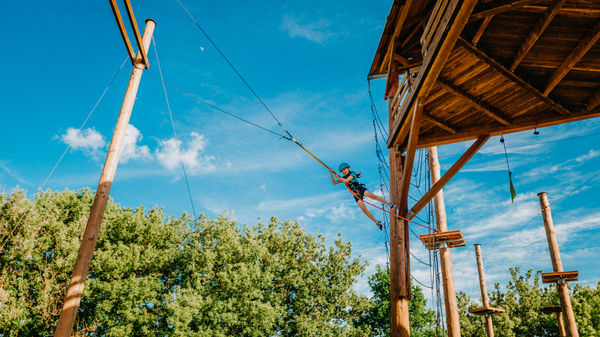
(362, 206)
(370, 195)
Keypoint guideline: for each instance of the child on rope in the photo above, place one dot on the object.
(358, 190)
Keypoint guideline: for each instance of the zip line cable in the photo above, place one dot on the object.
(234, 69)
(187, 184)
(86, 120)
(217, 108)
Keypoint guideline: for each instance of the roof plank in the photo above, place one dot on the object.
(499, 7)
(535, 33)
(514, 78)
(582, 48)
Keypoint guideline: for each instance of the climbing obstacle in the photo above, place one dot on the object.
(557, 310)
(450, 239)
(560, 277)
(487, 311)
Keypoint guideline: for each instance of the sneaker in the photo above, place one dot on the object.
(392, 205)
(379, 225)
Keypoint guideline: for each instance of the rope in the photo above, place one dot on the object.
(234, 69)
(396, 215)
(200, 100)
(187, 183)
(85, 121)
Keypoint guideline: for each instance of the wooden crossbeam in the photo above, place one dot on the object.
(481, 30)
(522, 124)
(136, 32)
(566, 10)
(399, 24)
(117, 14)
(594, 101)
(498, 7)
(582, 48)
(451, 239)
(439, 123)
(447, 176)
(551, 309)
(473, 101)
(511, 76)
(535, 33)
(560, 276)
(487, 311)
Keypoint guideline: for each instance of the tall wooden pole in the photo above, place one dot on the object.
(561, 325)
(489, 327)
(563, 291)
(452, 318)
(86, 251)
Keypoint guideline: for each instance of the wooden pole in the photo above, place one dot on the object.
(88, 242)
(563, 291)
(489, 327)
(561, 325)
(452, 318)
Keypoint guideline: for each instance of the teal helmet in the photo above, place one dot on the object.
(343, 166)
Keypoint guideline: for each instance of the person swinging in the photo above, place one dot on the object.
(359, 191)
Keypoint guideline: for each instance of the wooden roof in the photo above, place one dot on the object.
(517, 65)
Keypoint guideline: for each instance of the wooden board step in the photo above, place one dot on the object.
(487, 310)
(552, 308)
(450, 239)
(560, 276)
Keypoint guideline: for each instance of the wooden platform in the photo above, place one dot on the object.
(487, 310)
(516, 66)
(551, 309)
(565, 276)
(452, 239)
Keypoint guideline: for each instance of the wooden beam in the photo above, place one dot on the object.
(519, 124)
(535, 33)
(474, 102)
(136, 32)
(413, 138)
(439, 123)
(582, 48)
(399, 25)
(117, 14)
(514, 78)
(594, 101)
(498, 7)
(482, 28)
(441, 46)
(570, 11)
(447, 176)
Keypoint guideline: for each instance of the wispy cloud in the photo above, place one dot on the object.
(12, 173)
(171, 151)
(313, 31)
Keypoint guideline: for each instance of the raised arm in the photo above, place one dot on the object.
(339, 179)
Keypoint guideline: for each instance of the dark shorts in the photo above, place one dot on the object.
(361, 188)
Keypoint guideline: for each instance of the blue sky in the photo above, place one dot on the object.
(308, 61)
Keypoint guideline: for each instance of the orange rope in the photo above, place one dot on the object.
(394, 214)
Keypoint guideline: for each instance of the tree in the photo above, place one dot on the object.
(157, 275)
(378, 316)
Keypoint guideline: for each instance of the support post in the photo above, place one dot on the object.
(561, 287)
(88, 242)
(561, 325)
(489, 327)
(452, 318)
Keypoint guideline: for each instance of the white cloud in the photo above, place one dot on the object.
(88, 140)
(314, 31)
(591, 154)
(132, 151)
(170, 152)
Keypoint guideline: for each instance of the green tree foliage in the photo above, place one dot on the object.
(377, 317)
(523, 299)
(157, 275)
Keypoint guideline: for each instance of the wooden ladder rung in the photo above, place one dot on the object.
(451, 239)
(552, 308)
(560, 276)
(487, 310)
